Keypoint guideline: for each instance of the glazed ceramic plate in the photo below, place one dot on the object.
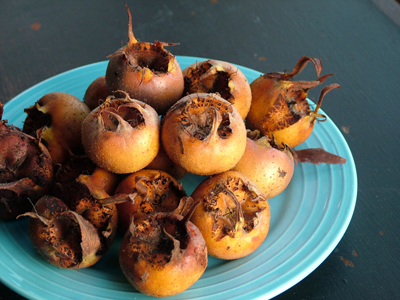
(307, 222)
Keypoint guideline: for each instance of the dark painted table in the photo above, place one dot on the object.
(357, 40)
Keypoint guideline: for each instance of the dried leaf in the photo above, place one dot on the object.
(317, 156)
(347, 263)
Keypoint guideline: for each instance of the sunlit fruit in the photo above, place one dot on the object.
(147, 72)
(280, 106)
(233, 215)
(152, 191)
(122, 135)
(204, 134)
(163, 254)
(224, 78)
(269, 165)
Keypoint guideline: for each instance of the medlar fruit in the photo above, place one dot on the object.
(204, 134)
(152, 191)
(122, 135)
(147, 72)
(224, 78)
(269, 165)
(233, 215)
(280, 107)
(26, 170)
(163, 254)
(59, 116)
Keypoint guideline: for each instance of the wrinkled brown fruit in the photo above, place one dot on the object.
(204, 134)
(233, 215)
(94, 205)
(152, 191)
(269, 165)
(62, 237)
(147, 72)
(59, 117)
(163, 254)
(96, 93)
(224, 78)
(26, 170)
(122, 135)
(280, 107)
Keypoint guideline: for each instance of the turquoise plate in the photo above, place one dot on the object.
(307, 222)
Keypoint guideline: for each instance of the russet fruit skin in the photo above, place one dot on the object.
(61, 236)
(162, 254)
(204, 134)
(152, 191)
(59, 117)
(224, 78)
(233, 215)
(270, 168)
(121, 135)
(279, 105)
(147, 72)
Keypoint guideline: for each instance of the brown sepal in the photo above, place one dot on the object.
(317, 156)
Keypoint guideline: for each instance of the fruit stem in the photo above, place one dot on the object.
(132, 39)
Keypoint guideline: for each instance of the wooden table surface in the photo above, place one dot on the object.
(357, 40)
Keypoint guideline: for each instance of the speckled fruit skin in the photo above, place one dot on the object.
(159, 270)
(204, 134)
(271, 169)
(153, 191)
(121, 135)
(224, 78)
(216, 216)
(279, 105)
(147, 72)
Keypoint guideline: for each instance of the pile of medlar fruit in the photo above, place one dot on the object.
(81, 170)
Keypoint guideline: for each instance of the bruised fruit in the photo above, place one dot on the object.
(280, 107)
(63, 237)
(224, 78)
(163, 254)
(152, 191)
(121, 135)
(96, 92)
(204, 134)
(60, 117)
(26, 170)
(233, 215)
(147, 72)
(269, 165)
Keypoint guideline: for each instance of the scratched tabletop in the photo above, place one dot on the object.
(357, 40)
